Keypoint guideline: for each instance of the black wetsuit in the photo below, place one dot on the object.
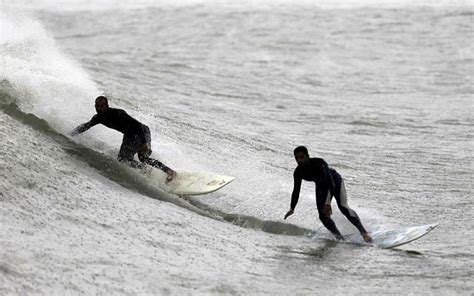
(135, 134)
(328, 184)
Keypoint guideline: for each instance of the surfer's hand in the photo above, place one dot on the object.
(327, 210)
(144, 148)
(290, 212)
(74, 132)
(171, 175)
(144, 152)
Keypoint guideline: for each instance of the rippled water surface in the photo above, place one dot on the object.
(383, 93)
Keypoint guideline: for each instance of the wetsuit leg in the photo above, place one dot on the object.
(321, 196)
(341, 199)
(129, 147)
(147, 159)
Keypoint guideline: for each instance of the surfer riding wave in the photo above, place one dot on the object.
(136, 136)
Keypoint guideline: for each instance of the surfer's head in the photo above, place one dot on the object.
(301, 155)
(101, 104)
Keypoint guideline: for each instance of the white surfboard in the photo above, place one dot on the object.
(392, 238)
(189, 183)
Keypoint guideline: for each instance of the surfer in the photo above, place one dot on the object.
(328, 184)
(136, 136)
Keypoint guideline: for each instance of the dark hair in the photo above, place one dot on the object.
(302, 149)
(102, 98)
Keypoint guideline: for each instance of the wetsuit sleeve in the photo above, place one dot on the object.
(85, 126)
(296, 190)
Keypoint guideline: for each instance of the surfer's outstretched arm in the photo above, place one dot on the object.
(295, 195)
(85, 126)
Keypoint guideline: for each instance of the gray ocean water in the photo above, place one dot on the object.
(383, 93)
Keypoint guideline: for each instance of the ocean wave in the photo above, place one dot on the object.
(132, 179)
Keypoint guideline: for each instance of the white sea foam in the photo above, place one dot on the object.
(52, 84)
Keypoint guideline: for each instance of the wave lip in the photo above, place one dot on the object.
(47, 81)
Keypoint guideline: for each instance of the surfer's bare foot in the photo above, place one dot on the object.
(367, 238)
(171, 175)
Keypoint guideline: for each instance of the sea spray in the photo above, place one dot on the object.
(47, 81)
